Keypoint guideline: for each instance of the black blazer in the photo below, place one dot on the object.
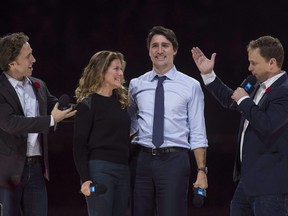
(264, 166)
(14, 128)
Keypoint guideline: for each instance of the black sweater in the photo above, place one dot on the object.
(101, 132)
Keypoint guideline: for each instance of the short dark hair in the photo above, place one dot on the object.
(10, 47)
(269, 47)
(168, 33)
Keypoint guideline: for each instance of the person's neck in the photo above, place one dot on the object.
(15, 76)
(105, 92)
(162, 70)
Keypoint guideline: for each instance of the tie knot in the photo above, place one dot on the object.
(161, 79)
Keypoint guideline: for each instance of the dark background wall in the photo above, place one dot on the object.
(65, 34)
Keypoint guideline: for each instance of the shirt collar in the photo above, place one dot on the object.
(271, 80)
(169, 74)
(15, 82)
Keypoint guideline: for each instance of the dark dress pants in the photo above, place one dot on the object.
(263, 205)
(160, 183)
(116, 178)
(29, 198)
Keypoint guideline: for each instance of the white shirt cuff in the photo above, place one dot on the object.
(52, 123)
(208, 78)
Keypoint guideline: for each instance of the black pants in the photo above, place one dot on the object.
(160, 182)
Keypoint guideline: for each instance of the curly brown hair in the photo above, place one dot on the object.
(93, 76)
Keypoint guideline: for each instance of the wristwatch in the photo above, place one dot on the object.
(203, 169)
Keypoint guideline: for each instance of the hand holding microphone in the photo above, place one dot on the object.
(248, 85)
(62, 109)
(90, 188)
(200, 186)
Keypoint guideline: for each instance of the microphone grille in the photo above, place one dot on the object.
(198, 201)
(252, 79)
(64, 101)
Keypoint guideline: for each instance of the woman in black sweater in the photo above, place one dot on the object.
(101, 135)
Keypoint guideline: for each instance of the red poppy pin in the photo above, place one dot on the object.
(268, 89)
(37, 84)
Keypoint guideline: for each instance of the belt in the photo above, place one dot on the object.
(159, 151)
(32, 160)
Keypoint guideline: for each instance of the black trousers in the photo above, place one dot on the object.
(160, 183)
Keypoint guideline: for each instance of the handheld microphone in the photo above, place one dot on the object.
(97, 189)
(64, 102)
(199, 196)
(249, 84)
(63, 105)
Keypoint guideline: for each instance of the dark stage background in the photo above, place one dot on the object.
(65, 34)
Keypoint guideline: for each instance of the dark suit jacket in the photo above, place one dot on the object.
(264, 166)
(14, 128)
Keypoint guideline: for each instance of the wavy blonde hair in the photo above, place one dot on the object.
(93, 76)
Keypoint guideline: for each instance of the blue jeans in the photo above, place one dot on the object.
(160, 183)
(263, 205)
(30, 197)
(116, 177)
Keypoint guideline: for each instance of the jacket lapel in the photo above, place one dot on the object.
(277, 83)
(39, 95)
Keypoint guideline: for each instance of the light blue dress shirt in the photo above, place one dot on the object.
(184, 122)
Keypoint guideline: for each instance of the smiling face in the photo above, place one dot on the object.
(113, 77)
(161, 53)
(23, 65)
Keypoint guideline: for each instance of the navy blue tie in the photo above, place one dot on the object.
(158, 123)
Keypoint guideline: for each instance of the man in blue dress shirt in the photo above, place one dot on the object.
(162, 172)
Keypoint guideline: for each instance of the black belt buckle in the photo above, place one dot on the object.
(32, 160)
(29, 160)
(154, 151)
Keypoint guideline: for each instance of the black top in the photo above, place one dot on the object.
(101, 132)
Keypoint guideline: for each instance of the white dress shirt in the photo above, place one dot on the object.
(30, 107)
